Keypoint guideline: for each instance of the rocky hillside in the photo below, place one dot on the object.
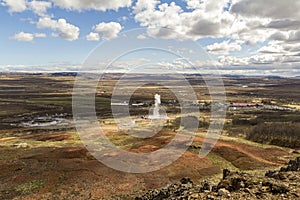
(280, 184)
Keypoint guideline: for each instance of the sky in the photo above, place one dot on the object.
(248, 37)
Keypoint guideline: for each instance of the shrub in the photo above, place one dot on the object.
(276, 133)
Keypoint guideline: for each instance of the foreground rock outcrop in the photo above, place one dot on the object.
(281, 184)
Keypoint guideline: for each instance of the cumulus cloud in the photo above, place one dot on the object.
(252, 21)
(284, 24)
(15, 5)
(265, 59)
(271, 49)
(207, 19)
(233, 61)
(106, 30)
(66, 30)
(193, 4)
(141, 37)
(270, 60)
(268, 29)
(268, 20)
(286, 36)
(279, 35)
(275, 9)
(93, 37)
(40, 35)
(223, 48)
(101, 5)
(253, 36)
(39, 7)
(291, 47)
(143, 5)
(294, 36)
(40, 68)
(27, 37)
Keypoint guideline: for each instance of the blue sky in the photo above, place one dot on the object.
(241, 36)
(50, 50)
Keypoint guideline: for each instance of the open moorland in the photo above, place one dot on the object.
(42, 156)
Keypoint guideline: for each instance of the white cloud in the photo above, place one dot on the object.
(123, 19)
(209, 19)
(55, 35)
(291, 47)
(294, 36)
(248, 22)
(272, 25)
(93, 37)
(143, 5)
(280, 36)
(233, 61)
(108, 30)
(66, 30)
(271, 49)
(15, 5)
(275, 9)
(27, 37)
(39, 7)
(141, 37)
(270, 60)
(284, 24)
(24, 37)
(253, 36)
(41, 68)
(223, 48)
(40, 35)
(265, 59)
(101, 5)
(252, 21)
(278, 23)
(286, 36)
(193, 4)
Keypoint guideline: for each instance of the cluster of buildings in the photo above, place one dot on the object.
(235, 106)
(242, 105)
(230, 106)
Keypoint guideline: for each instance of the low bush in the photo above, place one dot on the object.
(276, 133)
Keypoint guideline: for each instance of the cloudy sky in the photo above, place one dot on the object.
(241, 36)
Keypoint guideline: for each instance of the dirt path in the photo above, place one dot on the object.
(242, 150)
(246, 156)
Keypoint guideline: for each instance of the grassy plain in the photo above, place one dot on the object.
(48, 161)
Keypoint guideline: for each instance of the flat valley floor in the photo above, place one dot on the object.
(42, 156)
